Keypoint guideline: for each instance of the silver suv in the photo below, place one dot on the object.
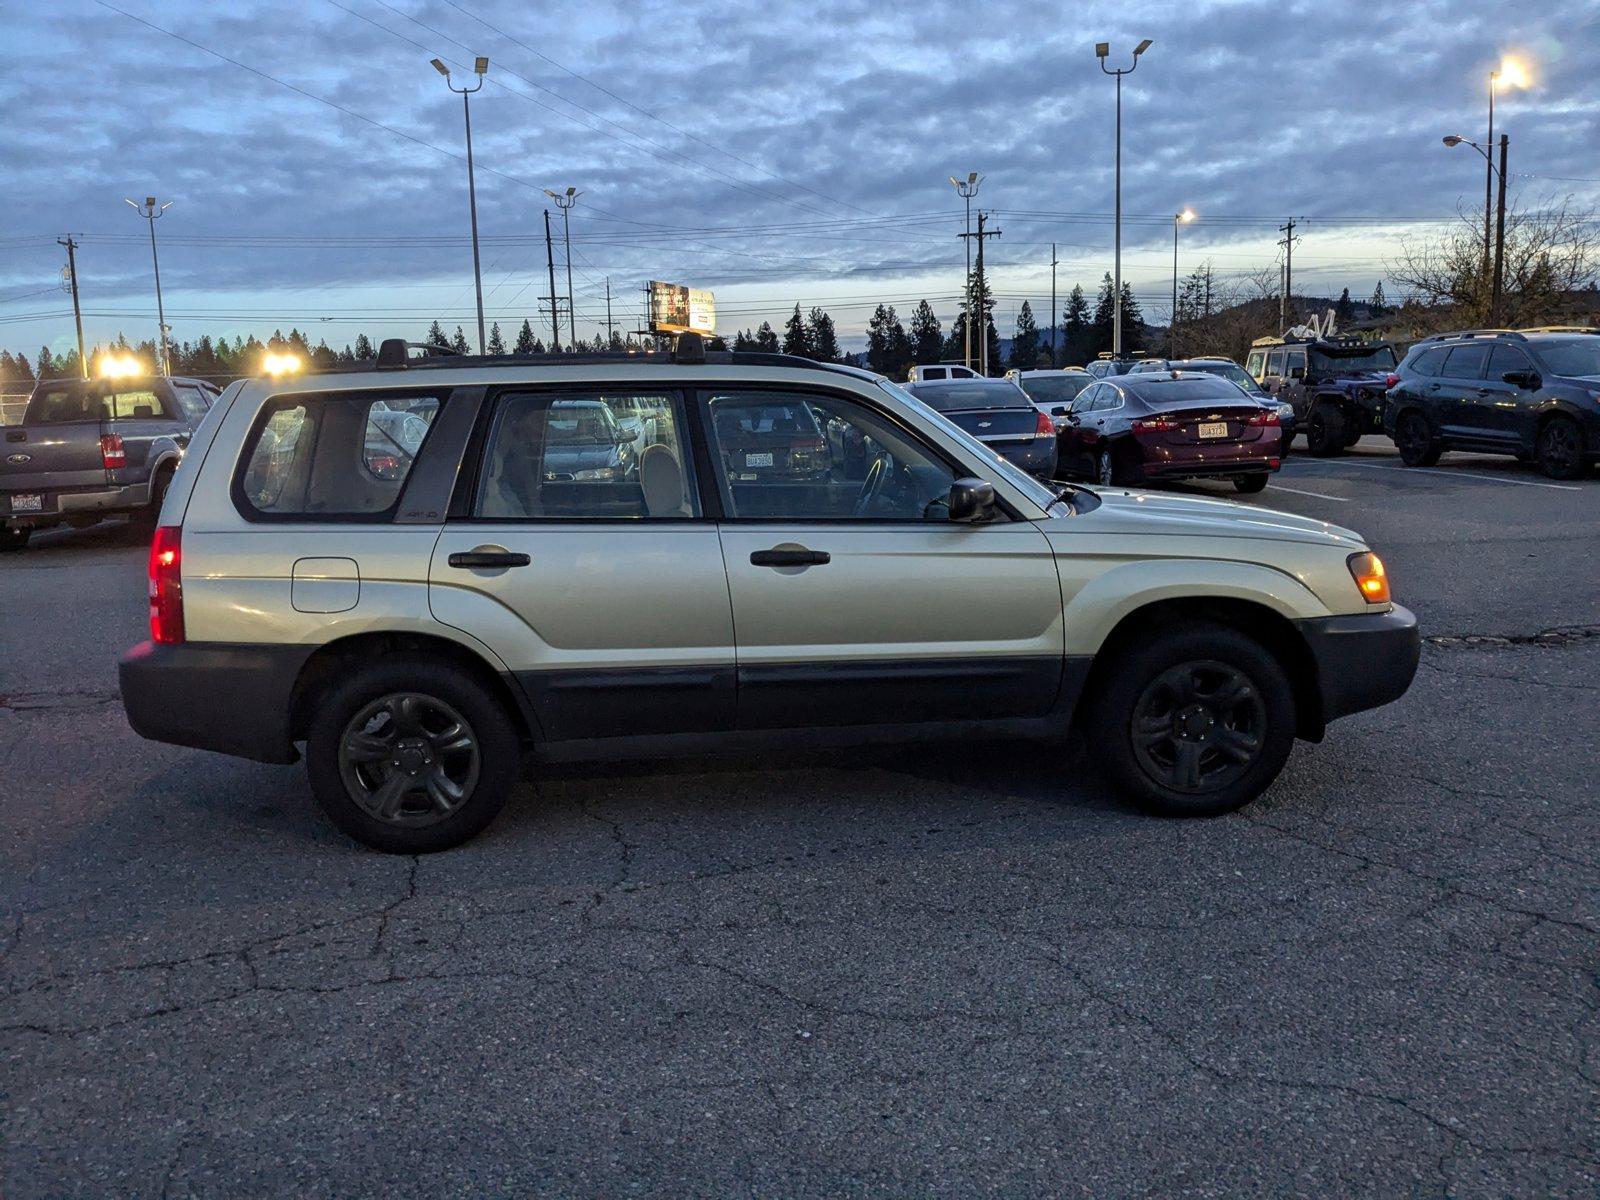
(421, 570)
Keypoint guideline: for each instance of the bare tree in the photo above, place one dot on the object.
(1550, 254)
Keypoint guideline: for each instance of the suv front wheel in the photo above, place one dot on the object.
(1194, 720)
(411, 755)
(1325, 432)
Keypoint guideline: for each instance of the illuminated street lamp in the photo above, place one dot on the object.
(151, 213)
(1511, 73)
(1101, 51)
(480, 67)
(565, 201)
(1182, 218)
(1453, 140)
(968, 188)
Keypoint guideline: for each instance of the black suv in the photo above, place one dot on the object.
(1534, 394)
(1336, 385)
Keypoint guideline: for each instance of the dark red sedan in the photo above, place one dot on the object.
(1142, 427)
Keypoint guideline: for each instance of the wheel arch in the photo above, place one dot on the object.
(342, 655)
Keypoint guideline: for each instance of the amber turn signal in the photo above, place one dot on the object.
(1370, 577)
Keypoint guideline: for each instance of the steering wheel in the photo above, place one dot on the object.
(872, 486)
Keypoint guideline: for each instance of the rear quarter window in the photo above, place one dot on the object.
(1428, 362)
(332, 456)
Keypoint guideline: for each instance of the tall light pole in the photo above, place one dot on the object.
(480, 67)
(151, 213)
(1182, 218)
(1101, 50)
(565, 201)
(1511, 73)
(1495, 271)
(968, 188)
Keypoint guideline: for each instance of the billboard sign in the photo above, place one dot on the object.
(678, 309)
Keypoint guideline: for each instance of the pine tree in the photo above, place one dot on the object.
(900, 355)
(1378, 305)
(436, 335)
(824, 342)
(743, 342)
(1100, 327)
(767, 338)
(1344, 310)
(878, 341)
(1132, 322)
(796, 337)
(497, 344)
(46, 367)
(525, 338)
(1025, 343)
(363, 350)
(459, 342)
(926, 343)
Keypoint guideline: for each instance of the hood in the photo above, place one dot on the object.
(1130, 510)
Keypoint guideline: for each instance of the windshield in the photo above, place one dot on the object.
(996, 465)
(951, 397)
(1360, 358)
(1229, 371)
(1571, 356)
(1054, 389)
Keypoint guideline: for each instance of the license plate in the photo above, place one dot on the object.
(27, 502)
(1213, 429)
(758, 460)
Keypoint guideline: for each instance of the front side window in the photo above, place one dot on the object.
(1505, 360)
(1275, 363)
(1255, 363)
(338, 455)
(192, 400)
(1085, 401)
(587, 456)
(800, 456)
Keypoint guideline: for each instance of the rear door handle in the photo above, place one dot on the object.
(790, 558)
(488, 558)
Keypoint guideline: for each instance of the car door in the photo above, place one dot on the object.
(1499, 407)
(1074, 457)
(860, 602)
(1461, 379)
(590, 569)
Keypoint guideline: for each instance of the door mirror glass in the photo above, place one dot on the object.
(1059, 410)
(1523, 379)
(971, 500)
(1297, 372)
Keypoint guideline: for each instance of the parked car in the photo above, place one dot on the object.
(1149, 426)
(91, 448)
(924, 372)
(416, 635)
(1106, 365)
(999, 414)
(1534, 394)
(1226, 368)
(773, 438)
(1336, 385)
(1052, 391)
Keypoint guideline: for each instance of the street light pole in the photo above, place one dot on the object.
(968, 188)
(151, 213)
(1101, 50)
(1494, 271)
(1172, 337)
(1488, 173)
(480, 67)
(565, 201)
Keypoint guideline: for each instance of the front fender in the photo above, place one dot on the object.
(1102, 603)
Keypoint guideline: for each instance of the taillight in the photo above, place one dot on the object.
(111, 452)
(166, 585)
(1044, 426)
(1390, 380)
(808, 445)
(1154, 425)
(1264, 417)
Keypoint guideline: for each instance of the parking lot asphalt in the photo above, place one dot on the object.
(940, 971)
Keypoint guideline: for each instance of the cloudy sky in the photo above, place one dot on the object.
(774, 153)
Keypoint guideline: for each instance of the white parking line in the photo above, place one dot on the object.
(1278, 487)
(1560, 487)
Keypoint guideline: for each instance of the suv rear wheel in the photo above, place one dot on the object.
(1325, 431)
(1559, 449)
(1418, 447)
(1194, 720)
(14, 537)
(411, 755)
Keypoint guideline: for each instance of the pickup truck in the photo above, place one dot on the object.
(90, 448)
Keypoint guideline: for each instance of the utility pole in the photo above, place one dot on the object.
(611, 335)
(480, 68)
(1288, 272)
(565, 201)
(77, 312)
(151, 213)
(1499, 241)
(555, 310)
(977, 309)
(1054, 316)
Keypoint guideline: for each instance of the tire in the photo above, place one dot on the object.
(1250, 484)
(1195, 684)
(1105, 468)
(144, 520)
(1559, 449)
(1415, 441)
(395, 723)
(1325, 431)
(14, 538)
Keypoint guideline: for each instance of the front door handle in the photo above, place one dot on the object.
(790, 558)
(479, 559)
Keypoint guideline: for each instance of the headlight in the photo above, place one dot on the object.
(606, 473)
(1285, 412)
(1366, 568)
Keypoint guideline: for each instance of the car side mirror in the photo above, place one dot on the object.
(1297, 372)
(1059, 410)
(1523, 379)
(971, 500)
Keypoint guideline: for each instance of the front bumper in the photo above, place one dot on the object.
(231, 698)
(1363, 660)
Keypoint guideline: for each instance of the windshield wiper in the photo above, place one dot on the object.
(1064, 493)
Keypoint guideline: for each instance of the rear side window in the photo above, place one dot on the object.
(1430, 362)
(1275, 363)
(192, 400)
(588, 456)
(1466, 362)
(92, 402)
(332, 457)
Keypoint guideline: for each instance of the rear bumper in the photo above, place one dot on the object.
(1037, 457)
(60, 505)
(1163, 460)
(1364, 660)
(231, 698)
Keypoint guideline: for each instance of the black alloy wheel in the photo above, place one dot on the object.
(409, 759)
(1559, 449)
(1415, 440)
(1198, 727)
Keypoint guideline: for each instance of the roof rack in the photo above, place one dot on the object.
(1562, 329)
(689, 350)
(1475, 333)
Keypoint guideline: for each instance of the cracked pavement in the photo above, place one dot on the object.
(931, 971)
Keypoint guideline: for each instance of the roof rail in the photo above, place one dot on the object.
(1562, 329)
(1474, 333)
(392, 357)
(392, 352)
